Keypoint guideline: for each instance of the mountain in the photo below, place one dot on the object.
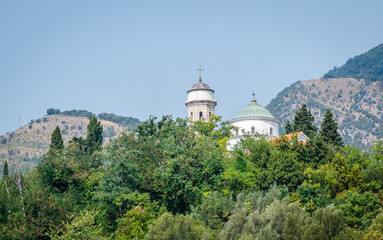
(368, 66)
(30, 142)
(353, 92)
(356, 103)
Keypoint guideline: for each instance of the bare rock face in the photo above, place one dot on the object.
(357, 106)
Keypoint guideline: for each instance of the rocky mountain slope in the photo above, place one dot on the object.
(31, 141)
(353, 92)
(357, 106)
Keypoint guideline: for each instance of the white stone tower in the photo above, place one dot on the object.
(200, 102)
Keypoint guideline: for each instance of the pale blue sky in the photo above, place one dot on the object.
(138, 58)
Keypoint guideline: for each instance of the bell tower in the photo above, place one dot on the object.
(200, 102)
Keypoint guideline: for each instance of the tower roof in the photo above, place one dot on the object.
(200, 86)
(253, 110)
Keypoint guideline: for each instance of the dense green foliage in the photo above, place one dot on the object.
(368, 66)
(93, 135)
(303, 121)
(74, 113)
(172, 179)
(329, 130)
(57, 142)
(129, 122)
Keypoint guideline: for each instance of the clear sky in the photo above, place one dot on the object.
(138, 58)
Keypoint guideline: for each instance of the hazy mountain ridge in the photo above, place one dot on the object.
(357, 106)
(32, 140)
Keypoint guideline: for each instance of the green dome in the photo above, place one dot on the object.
(253, 110)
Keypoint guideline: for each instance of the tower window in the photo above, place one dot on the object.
(209, 115)
(236, 132)
(191, 116)
(200, 115)
(252, 130)
(271, 131)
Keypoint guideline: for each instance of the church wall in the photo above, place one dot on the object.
(199, 95)
(260, 126)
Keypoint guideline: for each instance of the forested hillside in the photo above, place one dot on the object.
(367, 66)
(174, 180)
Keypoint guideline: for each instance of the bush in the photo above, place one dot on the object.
(358, 208)
(214, 210)
(52, 111)
(81, 227)
(170, 226)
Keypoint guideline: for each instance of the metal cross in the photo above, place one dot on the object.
(200, 70)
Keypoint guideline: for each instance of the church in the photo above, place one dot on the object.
(250, 120)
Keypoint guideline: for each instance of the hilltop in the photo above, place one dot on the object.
(128, 122)
(31, 141)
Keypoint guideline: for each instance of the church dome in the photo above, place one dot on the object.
(253, 110)
(200, 86)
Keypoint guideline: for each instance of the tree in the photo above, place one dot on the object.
(329, 130)
(288, 127)
(303, 121)
(5, 170)
(337, 176)
(359, 209)
(81, 227)
(148, 128)
(214, 210)
(4, 195)
(284, 169)
(44, 211)
(377, 223)
(135, 223)
(57, 142)
(170, 226)
(52, 111)
(94, 135)
(115, 189)
(325, 223)
(318, 152)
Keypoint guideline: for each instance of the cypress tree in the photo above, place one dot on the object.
(5, 170)
(5, 202)
(329, 130)
(303, 121)
(94, 135)
(288, 127)
(57, 140)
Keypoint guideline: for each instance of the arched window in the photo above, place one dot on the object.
(252, 130)
(191, 116)
(200, 115)
(209, 115)
(271, 131)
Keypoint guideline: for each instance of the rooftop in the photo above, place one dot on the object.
(253, 110)
(200, 86)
